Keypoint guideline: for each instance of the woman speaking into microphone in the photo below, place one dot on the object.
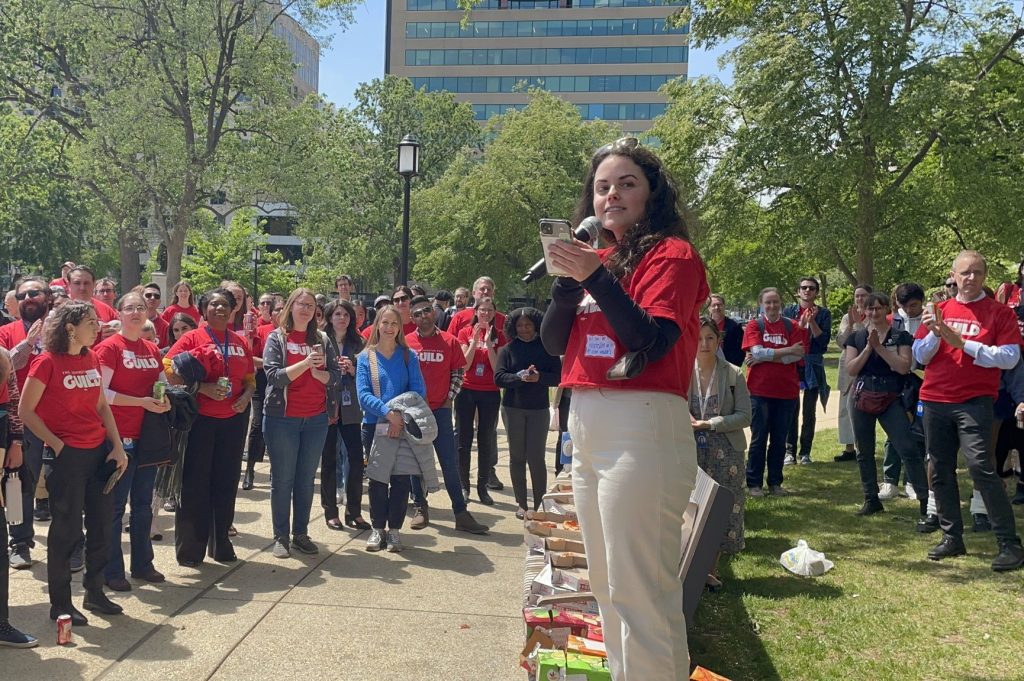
(626, 319)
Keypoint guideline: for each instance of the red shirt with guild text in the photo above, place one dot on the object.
(136, 367)
(774, 379)
(69, 400)
(440, 354)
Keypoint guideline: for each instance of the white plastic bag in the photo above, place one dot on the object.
(805, 561)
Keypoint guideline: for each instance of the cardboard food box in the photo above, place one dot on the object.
(567, 559)
(549, 517)
(559, 544)
(544, 529)
(556, 508)
(556, 665)
(573, 579)
(701, 674)
(561, 497)
(550, 619)
(585, 646)
(542, 584)
(561, 485)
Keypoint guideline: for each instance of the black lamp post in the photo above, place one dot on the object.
(256, 272)
(408, 167)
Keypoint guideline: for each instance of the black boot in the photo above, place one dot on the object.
(981, 523)
(1011, 556)
(77, 618)
(247, 479)
(949, 547)
(871, 506)
(485, 497)
(928, 523)
(97, 601)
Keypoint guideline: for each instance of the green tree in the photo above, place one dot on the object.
(841, 124)
(481, 217)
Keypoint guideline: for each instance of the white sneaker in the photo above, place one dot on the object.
(394, 542)
(888, 491)
(375, 542)
(909, 490)
(789, 460)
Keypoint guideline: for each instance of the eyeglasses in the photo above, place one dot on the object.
(876, 308)
(808, 288)
(31, 293)
(264, 303)
(950, 284)
(151, 296)
(399, 299)
(621, 144)
(133, 308)
(421, 312)
(304, 306)
(104, 290)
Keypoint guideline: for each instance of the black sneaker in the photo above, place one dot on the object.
(981, 523)
(928, 524)
(949, 547)
(12, 638)
(21, 557)
(1011, 556)
(871, 506)
(42, 511)
(845, 456)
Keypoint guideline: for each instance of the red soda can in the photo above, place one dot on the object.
(249, 322)
(64, 630)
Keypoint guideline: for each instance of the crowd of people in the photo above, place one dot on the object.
(385, 394)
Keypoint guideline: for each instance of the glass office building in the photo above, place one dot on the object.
(608, 57)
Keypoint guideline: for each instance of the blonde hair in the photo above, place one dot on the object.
(375, 334)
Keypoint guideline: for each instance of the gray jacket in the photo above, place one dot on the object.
(734, 409)
(384, 450)
(275, 402)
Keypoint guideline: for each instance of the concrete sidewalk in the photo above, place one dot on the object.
(445, 608)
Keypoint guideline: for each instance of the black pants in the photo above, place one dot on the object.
(967, 425)
(485, 404)
(388, 503)
(209, 483)
(350, 435)
(563, 426)
(527, 431)
(5, 564)
(257, 445)
(808, 406)
(896, 425)
(74, 485)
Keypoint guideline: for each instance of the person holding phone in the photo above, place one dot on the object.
(129, 367)
(303, 376)
(212, 463)
(626, 320)
(64, 405)
(479, 397)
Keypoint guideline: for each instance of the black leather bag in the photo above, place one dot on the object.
(162, 434)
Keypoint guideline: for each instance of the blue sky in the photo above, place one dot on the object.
(356, 55)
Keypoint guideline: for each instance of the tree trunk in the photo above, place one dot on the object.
(129, 245)
(175, 250)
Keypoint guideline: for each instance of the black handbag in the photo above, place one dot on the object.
(162, 434)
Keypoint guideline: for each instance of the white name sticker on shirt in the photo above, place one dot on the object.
(599, 345)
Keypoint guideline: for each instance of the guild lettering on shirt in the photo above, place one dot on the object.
(236, 351)
(599, 345)
(82, 379)
(297, 349)
(968, 328)
(133, 361)
(430, 357)
(775, 338)
(588, 305)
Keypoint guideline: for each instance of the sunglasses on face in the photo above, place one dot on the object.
(399, 299)
(31, 293)
(151, 296)
(421, 312)
(265, 303)
(950, 284)
(621, 144)
(808, 288)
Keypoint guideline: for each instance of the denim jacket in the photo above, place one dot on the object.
(276, 401)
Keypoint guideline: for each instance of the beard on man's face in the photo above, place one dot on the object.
(31, 309)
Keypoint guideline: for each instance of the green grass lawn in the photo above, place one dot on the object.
(884, 612)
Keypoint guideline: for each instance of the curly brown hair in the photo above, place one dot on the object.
(56, 338)
(665, 217)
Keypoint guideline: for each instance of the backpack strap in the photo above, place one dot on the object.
(371, 355)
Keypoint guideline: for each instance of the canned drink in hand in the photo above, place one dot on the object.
(249, 321)
(159, 390)
(64, 630)
(225, 383)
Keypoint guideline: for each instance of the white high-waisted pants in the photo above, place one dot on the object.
(634, 466)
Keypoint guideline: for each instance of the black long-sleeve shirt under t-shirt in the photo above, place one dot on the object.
(519, 355)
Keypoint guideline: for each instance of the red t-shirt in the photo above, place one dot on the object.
(104, 312)
(136, 367)
(669, 282)
(440, 355)
(407, 328)
(162, 329)
(174, 309)
(774, 379)
(202, 346)
(259, 339)
(10, 336)
(480, 375)
(305, 396)
(68, 404)
(464, 318)
(59, 282)
(952, 376)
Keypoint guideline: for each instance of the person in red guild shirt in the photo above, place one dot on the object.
(443, 363)
(479, 398)
(151, 294)
(483, 287)
(64, 405)
(964, 342)
(213, 458)
(129, 368)
(774, 345)
(184, 302)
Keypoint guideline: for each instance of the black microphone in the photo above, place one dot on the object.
(587, 231)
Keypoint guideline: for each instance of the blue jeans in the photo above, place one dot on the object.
(295, 446)
(769, 426)
(136, 485)
(448, 457)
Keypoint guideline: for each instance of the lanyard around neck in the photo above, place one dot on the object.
(702, 400)
(223, 349)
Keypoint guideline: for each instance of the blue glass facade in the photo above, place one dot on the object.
(547, 55)
(609, 112)
(540, 29)
(436, 5)
(506, 84)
